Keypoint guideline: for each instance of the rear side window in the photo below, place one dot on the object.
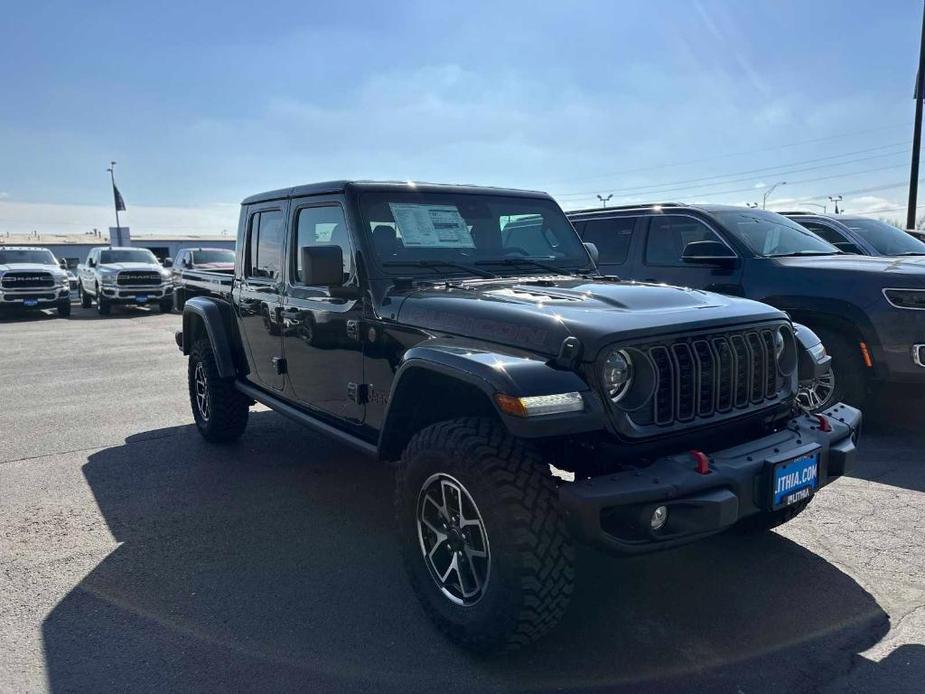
(669, 236)
(826, 232)
(612, 238)
(321, 226)
(265, 246)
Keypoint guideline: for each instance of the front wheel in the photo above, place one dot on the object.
(220, 410)
(103, 306)
(819, 394)
(64, 308)
(849, 372)
(483, 541)
(85, 298)
(179, 299)
(166, 304)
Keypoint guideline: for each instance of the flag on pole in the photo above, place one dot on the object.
(120, 203)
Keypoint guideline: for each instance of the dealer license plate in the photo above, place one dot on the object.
(141, 299)
(794, 480)
(30, 302)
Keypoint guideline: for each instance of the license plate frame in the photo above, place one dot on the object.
(793, 480)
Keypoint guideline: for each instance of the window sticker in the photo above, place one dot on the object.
(431, 226)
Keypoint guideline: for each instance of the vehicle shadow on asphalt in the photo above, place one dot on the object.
(77, 313)
(271, 565)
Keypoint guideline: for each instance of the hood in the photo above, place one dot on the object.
(131, 266)
(910, 271)
(32, 267)
(537, 315)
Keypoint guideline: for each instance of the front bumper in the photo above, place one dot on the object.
(117, 294)
(612, 511)
(40, 297)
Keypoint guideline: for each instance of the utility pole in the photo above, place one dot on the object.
(836, 199)
(916, 133)
(764, 201)
(604, 200)
(115, 202)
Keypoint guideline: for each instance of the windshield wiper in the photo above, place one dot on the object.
(527, 261)
(433, 264)
(799, 253)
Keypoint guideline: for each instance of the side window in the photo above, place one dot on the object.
(612, 238)
(826, 232)
(669, 235)
(265, 246)
(321, 226)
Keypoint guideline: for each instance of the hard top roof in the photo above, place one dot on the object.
(662, 206)
(331, 187)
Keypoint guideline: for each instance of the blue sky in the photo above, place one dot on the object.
(204, 103)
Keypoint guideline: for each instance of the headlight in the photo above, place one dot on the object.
(906, 298)
(617, 375)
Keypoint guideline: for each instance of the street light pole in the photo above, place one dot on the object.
(764, 202)
(916, 133)
(836, 199)
(112, 177)
(604, 200)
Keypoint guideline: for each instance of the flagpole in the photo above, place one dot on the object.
(115, 204)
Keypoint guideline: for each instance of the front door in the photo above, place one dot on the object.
(258, 295)
(323, 334)
(667, 237)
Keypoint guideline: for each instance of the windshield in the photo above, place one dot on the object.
(212, 256)
(422, 230)
(134, 255)
(40, 257)
(885, 238)
(770, 235)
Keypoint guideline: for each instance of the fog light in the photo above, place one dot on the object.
(659, 518)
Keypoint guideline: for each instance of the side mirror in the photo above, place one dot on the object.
(62, 264)
(168, 262)
(91, 262)
(592, 251)
(322, 266)
(708, 253)
(848, 247)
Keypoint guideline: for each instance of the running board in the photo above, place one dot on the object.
(301, 417)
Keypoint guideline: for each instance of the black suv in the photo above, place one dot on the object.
(860, 235)
(867, 310)
(462, 335)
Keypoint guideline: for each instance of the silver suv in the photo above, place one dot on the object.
(114, 275)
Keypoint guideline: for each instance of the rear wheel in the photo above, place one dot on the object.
(220, 410)
(484, 543)
(64, 307)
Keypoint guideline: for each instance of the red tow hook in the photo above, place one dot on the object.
(824, 424)
(703, 462)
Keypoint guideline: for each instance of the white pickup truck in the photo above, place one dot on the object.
(114, 275)
(31, 278)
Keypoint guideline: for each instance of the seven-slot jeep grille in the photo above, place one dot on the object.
(710, 374)
(135, 278)
(27, 280)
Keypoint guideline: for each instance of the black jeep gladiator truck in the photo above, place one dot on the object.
(867, 310)
(526, 402)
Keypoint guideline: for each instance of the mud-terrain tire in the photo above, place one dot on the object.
(527, 573)
(179, 299)
(64, 308)
(847, 366)
(768, 520)
(220, 410)
(85, 299)
(103, 306)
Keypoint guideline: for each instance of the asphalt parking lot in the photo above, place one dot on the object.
(136, 557)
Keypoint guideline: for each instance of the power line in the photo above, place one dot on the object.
(769, 170)
(731, 154)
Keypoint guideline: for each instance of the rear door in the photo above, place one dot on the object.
(665, 240)
(323, 335)
(258, 296)
(613, 238)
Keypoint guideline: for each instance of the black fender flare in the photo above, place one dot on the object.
(209, 312)
(494, 372)
(815, 312)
